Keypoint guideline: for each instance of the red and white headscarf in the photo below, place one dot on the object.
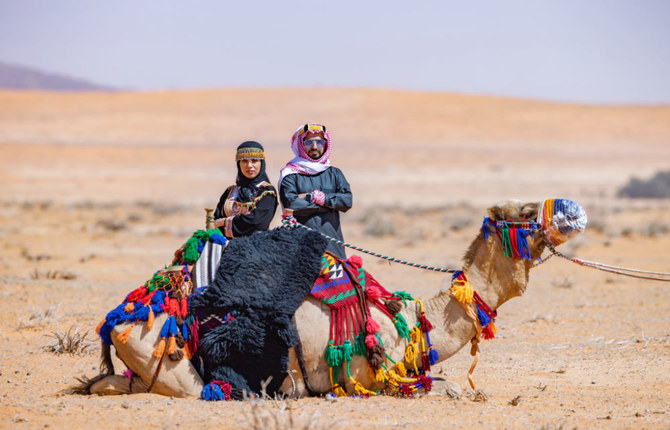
(303, 163)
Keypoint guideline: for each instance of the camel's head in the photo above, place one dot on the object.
(524, 228)
(513, 237)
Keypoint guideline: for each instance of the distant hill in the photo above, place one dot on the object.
(17, 77)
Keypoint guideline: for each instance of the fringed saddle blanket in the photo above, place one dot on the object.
(168, 290)
(246, 313)
(348, 289)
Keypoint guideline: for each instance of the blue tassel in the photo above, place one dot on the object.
(522, 243)
(201, 246)
(184, 331)
(219, 239)
(433, 356)
(165, 331)
(113, 318)
(158, 298)
(143, 313)
(484, 319)
(212, 392)
(485, 228)
(174, 330)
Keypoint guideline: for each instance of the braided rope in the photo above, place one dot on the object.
(625, 271)
(288, 221)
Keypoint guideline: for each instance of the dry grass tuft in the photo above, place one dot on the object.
(52, 274)
(38, 318)
(282, 415)
(70, 342)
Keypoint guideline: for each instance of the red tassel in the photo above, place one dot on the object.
(426, 381)
(371, 326)
(356, 261)
(373, 292)
(425, 362)
(406, 390)
(137, 294)
(184, 307)
(489, 332)
(371, 341)
(148, 298)
(425, 325)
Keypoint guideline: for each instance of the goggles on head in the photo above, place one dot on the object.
(317, 128)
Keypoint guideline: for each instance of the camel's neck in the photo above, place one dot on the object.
(493, 276)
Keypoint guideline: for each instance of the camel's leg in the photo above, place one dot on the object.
(118, 384)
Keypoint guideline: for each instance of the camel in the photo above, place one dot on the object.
(495, 277)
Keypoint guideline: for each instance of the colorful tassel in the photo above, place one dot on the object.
(158, 352)
(150, 319)
(401, 326)
(489, 332)
(100, 324)
(347, 351)
(124, 335)
(171, 345)
(371, 326)
(461, 288)
(129, 308)
(400, 368)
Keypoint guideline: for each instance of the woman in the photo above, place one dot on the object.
(250, 204)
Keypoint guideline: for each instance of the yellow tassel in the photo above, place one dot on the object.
(99, 327)
(124, 335)
(462, 290)
(171, 345)
(360, 390)
(339, 392)
(410, 352)
(158, 352)
(187, 352)
(150, 320)
(381, 376)
(130, 307)
(400, 368)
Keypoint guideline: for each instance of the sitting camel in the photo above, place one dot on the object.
(496, 268)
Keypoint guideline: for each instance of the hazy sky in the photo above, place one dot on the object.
(605, 51)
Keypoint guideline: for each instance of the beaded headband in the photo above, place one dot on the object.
(247, 153)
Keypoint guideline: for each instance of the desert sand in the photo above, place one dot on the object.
(99, 189)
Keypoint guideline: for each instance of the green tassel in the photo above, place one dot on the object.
(401, 326)
(506, 242)
(333, 355)
(403, 296)
(359, 345)
(347, 351)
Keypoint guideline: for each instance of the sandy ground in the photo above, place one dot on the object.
(99, 189)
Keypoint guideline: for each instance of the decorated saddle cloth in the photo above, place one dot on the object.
(261, 281)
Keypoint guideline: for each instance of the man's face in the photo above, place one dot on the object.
(315, 145)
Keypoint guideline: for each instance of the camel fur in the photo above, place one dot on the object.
(495, 277)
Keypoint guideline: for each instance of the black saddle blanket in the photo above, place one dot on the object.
(262, 280)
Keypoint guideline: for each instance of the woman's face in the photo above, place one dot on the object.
(250, 167)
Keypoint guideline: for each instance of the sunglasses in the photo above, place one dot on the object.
(320, 143)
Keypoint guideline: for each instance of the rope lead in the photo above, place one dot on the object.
(289, 221)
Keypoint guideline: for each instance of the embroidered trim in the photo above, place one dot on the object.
(249, 153)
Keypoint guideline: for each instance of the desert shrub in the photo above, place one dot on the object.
(38, 318)
(658, 187)
(70, 342)
(283, 415)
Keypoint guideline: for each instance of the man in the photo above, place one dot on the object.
(314, 190)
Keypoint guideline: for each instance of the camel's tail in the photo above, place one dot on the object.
(106, 369)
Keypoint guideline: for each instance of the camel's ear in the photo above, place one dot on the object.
(496, 213)
(529, 211)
